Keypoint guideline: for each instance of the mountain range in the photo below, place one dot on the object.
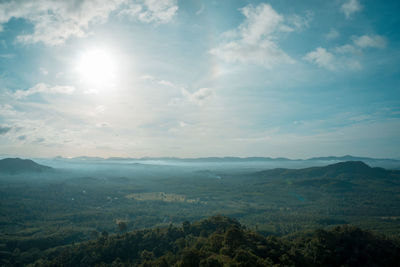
(230, 159)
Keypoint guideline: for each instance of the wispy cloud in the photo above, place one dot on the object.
(298, 22)
(332, 34)
(347, 49)
(156, 11)
(254, 41)
(374, 41)
(200, 10)
(345, 56)
(334, 60)
(322, 58)
(198, 96)
(7, 110)
(45, 89)
(56, 21)
(147, 77)
(350, 7)
(43, 71)
(166, 83)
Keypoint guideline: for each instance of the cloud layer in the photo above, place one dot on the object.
(222, 78)
(56, 21)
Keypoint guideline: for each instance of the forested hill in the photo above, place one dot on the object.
(347, 169)
(17, 165)
(220, 241)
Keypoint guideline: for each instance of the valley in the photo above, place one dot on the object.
(64, 206)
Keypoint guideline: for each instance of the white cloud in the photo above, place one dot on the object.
(261, 21)
(254, 41)
(332, 34)
(301, 22)
(156, 11)
(345, 56)
(184, 96)
(340, 58)
(322, 58)
(198, 96)
(166, 83)
(374, 41)
(7, 110)
(56, 21)
(350, 7)
(347, 49)
(147, 77)
(265, 53)
(46, 89)
(43, 71)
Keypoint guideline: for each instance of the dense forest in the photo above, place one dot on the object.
(84, 213)
(221, 241)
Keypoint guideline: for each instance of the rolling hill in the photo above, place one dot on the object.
(17, 165)
(343, 170)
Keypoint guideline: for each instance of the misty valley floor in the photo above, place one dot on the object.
(66, 206)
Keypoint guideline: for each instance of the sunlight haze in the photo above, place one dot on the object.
(199, 78)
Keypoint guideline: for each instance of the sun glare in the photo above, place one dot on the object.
(97, 67)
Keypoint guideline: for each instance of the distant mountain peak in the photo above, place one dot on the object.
(350, 165)
(17, 165)
(348, 169)
(352, 168)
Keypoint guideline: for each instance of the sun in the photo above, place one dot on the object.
(97, 67)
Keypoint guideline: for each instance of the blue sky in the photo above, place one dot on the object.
(200, 78)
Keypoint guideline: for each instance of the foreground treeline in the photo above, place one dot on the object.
(221, 241)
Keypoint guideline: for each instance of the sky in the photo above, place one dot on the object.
(196, 78)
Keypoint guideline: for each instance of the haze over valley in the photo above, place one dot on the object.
(196, 133)
(78, 199)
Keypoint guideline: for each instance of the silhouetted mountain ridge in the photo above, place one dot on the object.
(231, 158)
(17, 165)
(350, 158)
(347, 169)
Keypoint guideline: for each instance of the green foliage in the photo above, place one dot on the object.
(41, 215)
(339, 246)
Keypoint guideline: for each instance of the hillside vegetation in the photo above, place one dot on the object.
(17, 166)
(220, 241)
(42, 212)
